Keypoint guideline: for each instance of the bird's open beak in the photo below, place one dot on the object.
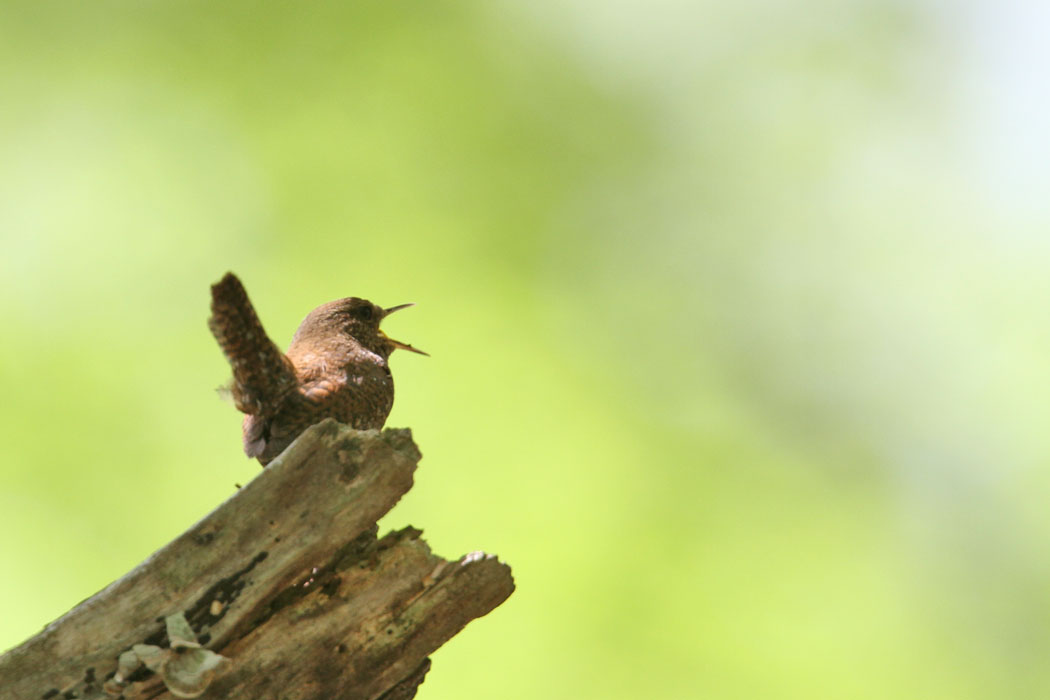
(406, 346)
(392, 309)
(397, 343)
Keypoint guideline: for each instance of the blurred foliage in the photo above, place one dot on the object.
(735, 355)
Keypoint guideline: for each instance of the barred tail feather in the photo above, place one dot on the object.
(262, 374)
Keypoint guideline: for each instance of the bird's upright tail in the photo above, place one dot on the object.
(262, 374)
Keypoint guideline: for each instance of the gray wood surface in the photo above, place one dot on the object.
(288, 581)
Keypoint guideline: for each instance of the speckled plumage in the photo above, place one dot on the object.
(336, 367)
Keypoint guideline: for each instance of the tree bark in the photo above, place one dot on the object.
(288, 581)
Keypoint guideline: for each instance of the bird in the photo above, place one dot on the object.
(337, 366)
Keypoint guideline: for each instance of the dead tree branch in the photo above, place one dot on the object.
(287, 581)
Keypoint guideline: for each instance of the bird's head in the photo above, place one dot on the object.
(356, 318)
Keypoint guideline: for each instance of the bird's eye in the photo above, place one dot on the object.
(364, 313)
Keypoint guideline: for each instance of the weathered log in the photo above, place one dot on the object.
(287, 580)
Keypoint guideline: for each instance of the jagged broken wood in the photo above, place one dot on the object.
(288, 581)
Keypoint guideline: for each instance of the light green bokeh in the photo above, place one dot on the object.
(733, 359)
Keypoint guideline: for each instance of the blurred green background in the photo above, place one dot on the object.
(737, 314)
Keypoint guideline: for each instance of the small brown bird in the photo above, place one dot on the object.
(336, 367)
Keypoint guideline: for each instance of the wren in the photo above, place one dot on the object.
(336, 367)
